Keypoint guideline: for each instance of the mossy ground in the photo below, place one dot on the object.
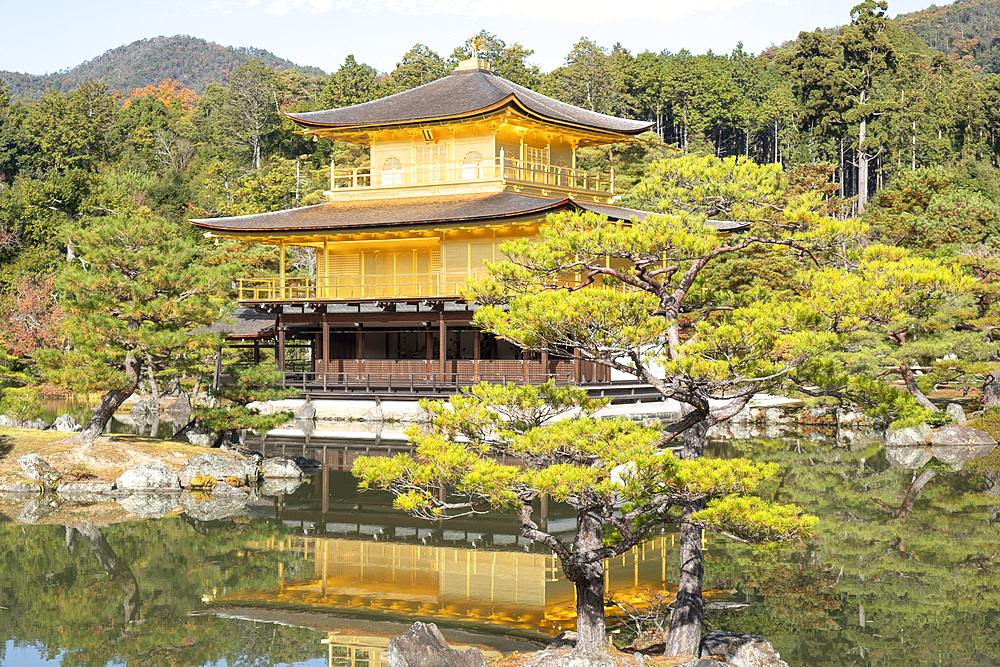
(991, 461)
(106, 458)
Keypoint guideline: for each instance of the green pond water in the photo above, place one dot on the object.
(323, 575)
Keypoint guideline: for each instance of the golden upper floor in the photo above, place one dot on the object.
(471, 131)
(406, 248)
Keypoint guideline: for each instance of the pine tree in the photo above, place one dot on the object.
(136, 289)
(620, 484)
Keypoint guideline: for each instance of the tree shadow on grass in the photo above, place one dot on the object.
(6, 446)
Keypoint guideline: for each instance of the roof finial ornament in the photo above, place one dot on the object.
(476, 43)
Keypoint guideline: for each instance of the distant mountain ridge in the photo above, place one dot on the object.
(192, 61)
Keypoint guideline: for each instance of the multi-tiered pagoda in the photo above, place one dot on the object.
(458, 166)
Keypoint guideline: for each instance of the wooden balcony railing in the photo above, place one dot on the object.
(504, 168)
(365, 288)
(345, 288)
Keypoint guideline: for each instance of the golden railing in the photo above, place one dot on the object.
(335, 288)
(364, 287)
(504, 167)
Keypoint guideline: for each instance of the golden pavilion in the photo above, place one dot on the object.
(457, 166)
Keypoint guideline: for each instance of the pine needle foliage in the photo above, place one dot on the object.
(500, 448)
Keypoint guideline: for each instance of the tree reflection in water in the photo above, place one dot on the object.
(903, 570)
(119, 572)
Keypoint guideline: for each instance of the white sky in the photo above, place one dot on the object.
(60, 34)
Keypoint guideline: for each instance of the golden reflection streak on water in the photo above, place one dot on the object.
(518, 589)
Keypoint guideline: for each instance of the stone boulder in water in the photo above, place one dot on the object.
(740, 650)
(279, 468)
(911, 436)
(66, 424)
(38, 469)
(153, 476)
(306, 411)
(424, 646)
(954, 445)
(219, 466)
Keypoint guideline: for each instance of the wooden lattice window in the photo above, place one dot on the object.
(392, 171)
(472, 166)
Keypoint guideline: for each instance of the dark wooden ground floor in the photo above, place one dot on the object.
(404, 353)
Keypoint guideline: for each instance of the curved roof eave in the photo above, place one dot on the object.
(509, 101)
(459, 95)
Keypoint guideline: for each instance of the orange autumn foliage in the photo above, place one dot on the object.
(169, 92)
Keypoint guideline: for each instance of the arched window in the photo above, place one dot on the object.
(392, 171)
(472, 166)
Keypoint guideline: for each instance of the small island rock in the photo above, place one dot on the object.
(219, 466)
(38, 469)
(66, 424)
(306, 411)
(740, 650)
(279, 468)
(153, 476)
(424, 646)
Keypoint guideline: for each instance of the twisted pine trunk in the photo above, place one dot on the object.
(589, 582)
(112, 400)
(991, 391)
(910, 380)
(689, 610)
(103, 413)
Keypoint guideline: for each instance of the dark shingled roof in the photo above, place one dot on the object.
(407, 212)
(244, 323)
(463, 93)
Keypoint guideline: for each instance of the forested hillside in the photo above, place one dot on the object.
(966, 30)
(192, 62)
(866, 120)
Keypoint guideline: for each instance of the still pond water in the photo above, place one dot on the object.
(324, 575)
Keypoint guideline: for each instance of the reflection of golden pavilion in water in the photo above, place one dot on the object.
(366, 651)
(451, 585)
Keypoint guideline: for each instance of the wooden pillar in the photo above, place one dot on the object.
(476, 337)
(524, 366)
(326, 487)
(429, 351)
(324, 291)
(281, 266)
(361, 351)
(256, 350)
(443, 346)
(576, 366)
(520, 174)
(326, 351)
(281, 353)
(545, 366)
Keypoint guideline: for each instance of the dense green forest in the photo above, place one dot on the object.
(868, 118)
